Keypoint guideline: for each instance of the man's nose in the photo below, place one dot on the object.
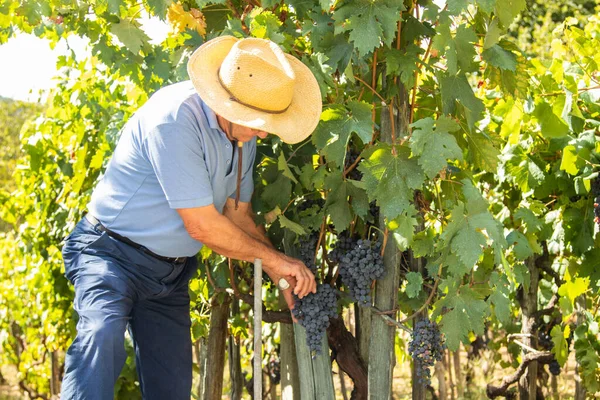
(261, 134)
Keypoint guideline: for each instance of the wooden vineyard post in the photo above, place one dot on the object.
(315, 374)
(257, 374)
(290, 382)
(316, 378)
(215, 361)
(381, 349)
(235, 367)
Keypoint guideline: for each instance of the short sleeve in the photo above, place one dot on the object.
(247, 184)
(177, 157)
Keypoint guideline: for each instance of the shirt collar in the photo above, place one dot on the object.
(211, 117)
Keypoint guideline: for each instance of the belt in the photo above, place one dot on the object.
(94, 221)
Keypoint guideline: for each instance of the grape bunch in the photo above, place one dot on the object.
(274, 370)
(355, 174)
(344, 244)
(545, 341)
(374, 211)
(359, 267)
(313, 312)
(309, 203)
(307, 249)
(554, 367)
(426, 347)
(595, 189)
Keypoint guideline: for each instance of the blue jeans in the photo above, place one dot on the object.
(119, 287)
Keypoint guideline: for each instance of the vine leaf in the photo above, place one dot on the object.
(414, 284)
(337, 203)
(291, 225)
(403, 63)
(390, 179)
(500, 296)
(433, 148)
(457, 88)
(159, 7)
(130, 35)
(369, 22)
(561, 347)
(467, 314)
(522, 249)
(278, 193)
(507, 10)
(501, 58)
(337, 124)
(403, 230)
(552, 125)
(573, 287)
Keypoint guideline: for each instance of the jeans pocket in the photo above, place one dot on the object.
(77, 243)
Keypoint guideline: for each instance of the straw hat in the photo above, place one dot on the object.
(251, 82)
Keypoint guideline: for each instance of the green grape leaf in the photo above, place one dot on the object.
(467, 314)
(291, 225)
(532, 223)
(114, 6)
(266, 25)
(284, 168)
(482, 152)
(403, 63)
(522, 276)
(369, 22)
(337, 204)
(159, 7)
(573, 288)
(507, 10)
(337, 123)
(130, 35)
(486, 5)
(552, 125)
(278, 193)
(561, 348)
(434, 148)
(499, 57)
(414, 284)
(457, 88)
(492, 36)
(403, 231)
(390, 179)
(500, 296)
(522, 248)
(422, 244)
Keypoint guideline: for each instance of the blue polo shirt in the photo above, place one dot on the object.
(171, 154)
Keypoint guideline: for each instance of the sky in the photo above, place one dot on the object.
(28, 64)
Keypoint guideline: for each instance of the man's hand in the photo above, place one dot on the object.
(243, 217)
(208, 226)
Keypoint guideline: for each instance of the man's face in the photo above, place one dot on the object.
(244, 134)
(238, 132)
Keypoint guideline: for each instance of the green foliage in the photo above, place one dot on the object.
(475, 173)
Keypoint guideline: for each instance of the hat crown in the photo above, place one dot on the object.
(257, 73)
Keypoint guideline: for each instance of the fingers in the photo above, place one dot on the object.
(306, 282)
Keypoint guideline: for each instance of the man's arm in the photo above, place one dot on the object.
(243, 217)
(208, 226)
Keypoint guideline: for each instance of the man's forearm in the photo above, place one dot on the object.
(231, 240)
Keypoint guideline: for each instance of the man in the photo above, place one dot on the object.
(180, 178)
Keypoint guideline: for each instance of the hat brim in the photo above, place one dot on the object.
(292, 126)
